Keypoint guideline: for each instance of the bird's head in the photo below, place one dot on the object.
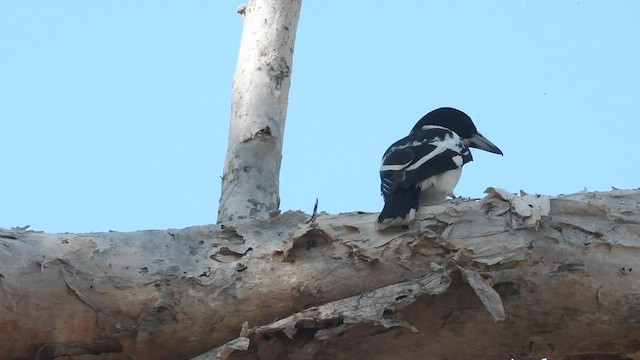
(460, 123)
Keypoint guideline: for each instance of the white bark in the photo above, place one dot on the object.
(250, 183)
(562, 273)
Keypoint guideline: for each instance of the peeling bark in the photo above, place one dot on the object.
(250, 182)
(560, 275)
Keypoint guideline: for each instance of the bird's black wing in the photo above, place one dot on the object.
(392, 170)
(422, 154)
(446, 153)
(410, 161)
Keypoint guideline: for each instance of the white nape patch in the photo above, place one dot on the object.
(457, 160)
(427, 127)
(394, 167)
(437, 188)
(448, 143)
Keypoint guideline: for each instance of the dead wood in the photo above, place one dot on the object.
(509, 276)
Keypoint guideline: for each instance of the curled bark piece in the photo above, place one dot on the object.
(489, 297)
(222, 352)
(526, 209)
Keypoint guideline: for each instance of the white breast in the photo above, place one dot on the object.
(437, 188)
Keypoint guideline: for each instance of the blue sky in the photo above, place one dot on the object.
(114, 115)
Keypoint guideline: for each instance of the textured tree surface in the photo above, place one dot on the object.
(519, 277)
(250, 182)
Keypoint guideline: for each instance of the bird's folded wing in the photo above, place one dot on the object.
(419, 156)
(393, 168)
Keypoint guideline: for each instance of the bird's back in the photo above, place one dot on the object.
(428, 160)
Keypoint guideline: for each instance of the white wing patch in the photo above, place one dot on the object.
(458, 160)
(398, 167)
(394, 167)
(415, 143)
(448, 143)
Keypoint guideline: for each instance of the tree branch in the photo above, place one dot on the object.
(565, 270)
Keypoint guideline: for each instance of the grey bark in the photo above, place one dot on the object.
(520, 277)
(250, 182)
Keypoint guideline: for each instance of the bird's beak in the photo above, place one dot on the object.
(480, 142)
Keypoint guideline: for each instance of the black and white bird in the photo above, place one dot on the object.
(424, 167)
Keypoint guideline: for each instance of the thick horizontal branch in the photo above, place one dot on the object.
(561, 272)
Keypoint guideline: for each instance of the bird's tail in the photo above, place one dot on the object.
(399, 208)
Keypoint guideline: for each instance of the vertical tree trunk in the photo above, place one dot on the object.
(250, 183)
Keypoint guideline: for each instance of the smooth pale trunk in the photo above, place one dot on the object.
(250, 181)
